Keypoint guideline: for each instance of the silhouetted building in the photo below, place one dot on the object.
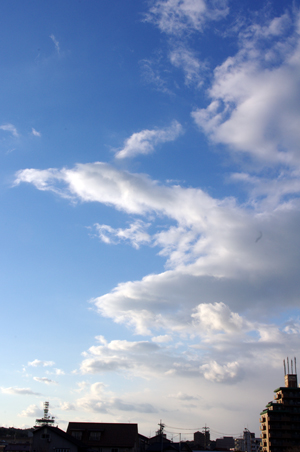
(202, 439)
(225, 443)
(280, 421)
(53, 439)
(105, 437)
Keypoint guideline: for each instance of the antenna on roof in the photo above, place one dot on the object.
(288, 365)
(292, 366)
(46, 419)
(284, 368)
(295, 366)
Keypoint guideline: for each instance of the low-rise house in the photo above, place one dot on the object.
(105, 437)
(53, 439)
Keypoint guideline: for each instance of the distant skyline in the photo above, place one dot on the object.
(150, 171)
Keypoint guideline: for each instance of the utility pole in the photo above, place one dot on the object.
(205, 430)
(161, 432)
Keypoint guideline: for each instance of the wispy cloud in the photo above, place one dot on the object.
(145, 141)
(136, 234)
(45, 380)
(182, 396)
(56, 43)
(177, 16)
(36, 133)
(19, 391)
(154, 74)
(9, 128)
(39, 363)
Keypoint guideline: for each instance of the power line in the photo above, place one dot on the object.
(181, 428)
(185, 430)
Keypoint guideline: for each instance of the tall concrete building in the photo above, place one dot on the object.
(248, 442)
(280, 421)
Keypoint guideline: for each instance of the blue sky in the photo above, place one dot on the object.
(150, 195)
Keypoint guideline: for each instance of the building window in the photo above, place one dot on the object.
(95, 436)
(59, 449)
(115, 450)
(45, 436)
(77, 435)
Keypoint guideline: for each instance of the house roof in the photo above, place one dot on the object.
(112, 434)
(60, 433)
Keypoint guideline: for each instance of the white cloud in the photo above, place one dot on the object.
(152, 73)
(255, 96)
(39, 363)
(56, 43)
(212, 250)
(162, 338)
(32, 411)
(66, 406)
(216, 372)
(228, 265)
(36, 133)
(135, 234)
(118, 356)
(19, 391)
(193, 68)
(144, 142)
(218, 317)
(177, 16)
(182, 396)
(45, 380)
(9, 128)
(97, 400)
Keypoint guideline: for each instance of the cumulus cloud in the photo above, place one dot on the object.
(98, 400)
(221, 336)
(19, 391)
(144, 142)
(32, 411)
(10, 128)
(218, 317)
(118, 356)
(212, 250)
(255, 96)
(39, 363)
(221, 373)
(177, 16)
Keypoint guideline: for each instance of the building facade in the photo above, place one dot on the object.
(280, 421)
